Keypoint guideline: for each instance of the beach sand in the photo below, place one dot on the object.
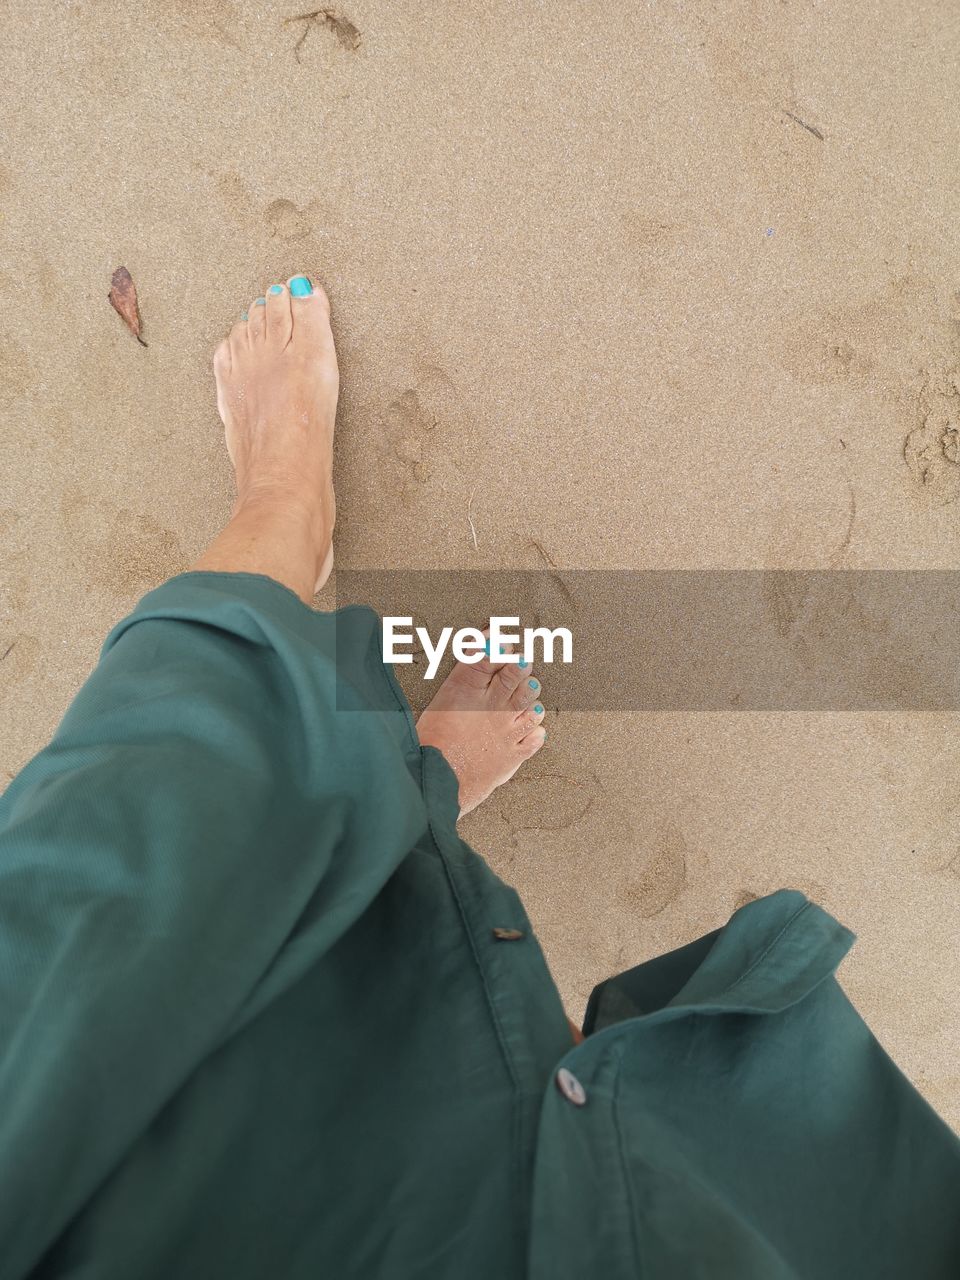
(657, 286)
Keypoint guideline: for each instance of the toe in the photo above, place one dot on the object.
(531, 742)
(493, 664)
(257, 321)
(222, 368)
(279, 322)
(221, 359)
(310, 308)
(529, 718)
(303, 290)
(478, 675)
(301, 286)
(514, 676)
(238, 339)
(525, 693)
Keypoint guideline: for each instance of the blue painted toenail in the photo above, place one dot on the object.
(301, 287)
(544, 735)
(260, 302)
(243, 315)
(524, 663)
(534, 684)
(275, 288)
(486, 648)
(538, 710)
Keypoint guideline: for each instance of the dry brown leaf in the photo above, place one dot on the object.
(123, 299)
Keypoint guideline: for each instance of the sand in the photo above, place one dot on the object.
(659, 285)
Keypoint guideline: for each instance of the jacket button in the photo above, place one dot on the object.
(508, 935)
(571, 1088)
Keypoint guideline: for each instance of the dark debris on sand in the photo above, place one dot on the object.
(332, 20)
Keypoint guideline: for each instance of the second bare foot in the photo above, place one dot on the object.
(485, 719)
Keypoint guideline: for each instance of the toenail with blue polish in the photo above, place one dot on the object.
(275, 288)
(486, 648)
(260, 302)
(538, 710)
(534, 684)
(301, 287)
(524, 663)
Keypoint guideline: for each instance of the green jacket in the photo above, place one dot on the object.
(264, 1015)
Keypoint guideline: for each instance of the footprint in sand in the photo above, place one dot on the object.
(283, 219)
(409, 426)
(663, 877)
(286, 222)
(561, 801)
(902, 344)
(119, 550)
(932, 450)
(839, 361)
(931, 455)
(414, 424)
(878, 345)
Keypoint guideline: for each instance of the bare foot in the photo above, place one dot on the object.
(485, 720)
(277, 385)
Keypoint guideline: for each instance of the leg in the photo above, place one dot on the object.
(277, 384)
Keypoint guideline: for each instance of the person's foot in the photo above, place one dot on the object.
(277, 385)
(485, 720)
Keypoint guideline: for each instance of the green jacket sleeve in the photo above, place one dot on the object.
(215, 810)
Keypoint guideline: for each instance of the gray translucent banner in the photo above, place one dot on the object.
(701, 640)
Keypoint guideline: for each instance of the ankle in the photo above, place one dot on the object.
(279, 535)
(298, 511)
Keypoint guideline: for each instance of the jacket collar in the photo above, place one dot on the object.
(771, 953)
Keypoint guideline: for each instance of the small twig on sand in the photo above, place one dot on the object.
(9, 650)
(307, 20)
(803, 124)
(554, 572)
(473, 527)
